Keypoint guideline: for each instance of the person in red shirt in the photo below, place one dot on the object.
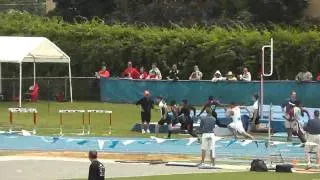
(143, 73)
(318, 77)
(131, 72)
(103, 73)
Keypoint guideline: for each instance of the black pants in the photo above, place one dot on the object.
(189, 126)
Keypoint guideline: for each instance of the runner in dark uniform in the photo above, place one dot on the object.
(212, 103)
(96, 169)
(188, 124)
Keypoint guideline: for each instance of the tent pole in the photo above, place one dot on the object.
(0, 79)
(34, 73)
(70, 79)
(20, 84)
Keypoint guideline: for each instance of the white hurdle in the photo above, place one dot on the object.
(23, 110)
(61, 112)
(100, 112)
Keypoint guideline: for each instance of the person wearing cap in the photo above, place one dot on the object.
(196, 75)
(103, 73)
(146, 104)
(231, 77)
(155, 73)
(312, 129)
(246, 76)
(188, 123)
(96, 169)
(218, 77)
(131, 72)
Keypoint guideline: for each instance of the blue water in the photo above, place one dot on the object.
(224, 148)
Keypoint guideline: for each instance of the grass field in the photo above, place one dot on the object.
(123, 117)
(231, 176)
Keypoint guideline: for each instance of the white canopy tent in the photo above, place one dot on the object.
(30, 50)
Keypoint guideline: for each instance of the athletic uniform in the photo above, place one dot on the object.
(146, 106)
(96, 171)
(255, 107)
(236, 124)
(188, 124)
(164, 118)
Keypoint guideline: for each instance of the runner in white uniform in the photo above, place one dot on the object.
(236, 126)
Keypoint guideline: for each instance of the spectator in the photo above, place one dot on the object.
(130, 72)
(318, 77)
(246, 76)
(196, 74)
(153, 76)
(96, 169)
(155, 71)
(143, 73)
(304, 76)
(313, 138)
(173, 73)
(230, 76)
(217, 77)
(103, 73)
(207, 125)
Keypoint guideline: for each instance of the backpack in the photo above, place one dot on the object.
(258, 165)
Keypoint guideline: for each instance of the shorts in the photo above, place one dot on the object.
(163, 121)
(237, 127)
(312, 138)
(208, 142)
(145, 117)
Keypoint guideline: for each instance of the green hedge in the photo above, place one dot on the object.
(89, 44)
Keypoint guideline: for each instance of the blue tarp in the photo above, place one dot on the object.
(197, 92)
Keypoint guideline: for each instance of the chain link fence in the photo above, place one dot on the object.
(84, 88)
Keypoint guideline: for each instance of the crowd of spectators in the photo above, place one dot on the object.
(174, 74)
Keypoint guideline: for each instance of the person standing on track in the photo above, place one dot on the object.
(207, 125)
(96, 169)
(146, 104)
(188, 124)
(236, 126)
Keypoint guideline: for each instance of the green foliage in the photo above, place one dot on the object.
(91, 43)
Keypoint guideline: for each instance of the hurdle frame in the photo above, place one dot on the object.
(63, 111)
(100, 112)
(23, 110)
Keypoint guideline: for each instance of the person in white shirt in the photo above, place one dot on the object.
(218, 77)
(164, 118)
(155, 71)
(246, 76)
(196, 74)
(236, 127)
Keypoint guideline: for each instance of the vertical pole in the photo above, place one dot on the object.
(34, 122)
(89, 123)
(269, 125)
(70, 79)
(110, 121)
(0, 79)
(61, 122)
(20, 84)
(83, 123)
(10, 121)
(34, 73)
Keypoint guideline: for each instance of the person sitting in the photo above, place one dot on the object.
(155, 70)
(246, 76)
(130, 72)
(143, 73)
(231, 77)
(103, 73)
(196, 75)
(32, 93)
(304, 76)
(318, 77)
(153, 76)
(313, 138)
(173, 73)
(218, 77)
